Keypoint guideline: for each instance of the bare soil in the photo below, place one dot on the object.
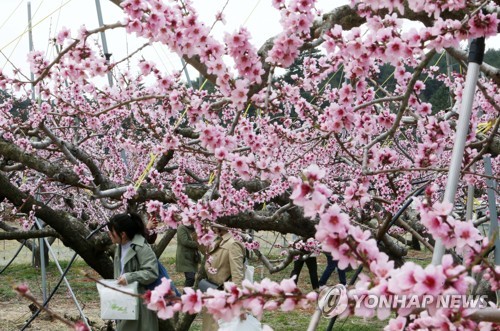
(15, 313)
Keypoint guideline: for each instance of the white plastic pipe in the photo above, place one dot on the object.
(475, 59)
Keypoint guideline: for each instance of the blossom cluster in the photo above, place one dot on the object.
(296, 18)
(250, 297)
(351, 247)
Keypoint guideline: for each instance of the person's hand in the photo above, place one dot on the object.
(122, 280)
(194, 236)
(152, 223)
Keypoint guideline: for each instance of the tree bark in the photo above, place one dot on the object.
(30, 234)
(164, 241)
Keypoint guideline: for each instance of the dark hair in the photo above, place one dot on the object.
(130, 223)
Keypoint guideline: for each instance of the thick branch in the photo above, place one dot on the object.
(417, 235)
(50, 169)
(259, 221)
(18, 235)
(164, 160)
(164, 241)
(7, 228)
(99, 178)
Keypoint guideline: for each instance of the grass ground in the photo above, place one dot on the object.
(14, 310)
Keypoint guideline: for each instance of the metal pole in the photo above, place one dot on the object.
(103, 38)
(448, 72)
(184, 66)
(44, 270)
(491, 188)
(313, 324)
(493, 233)
(123, 154)
(475, 59)
(30, 38)
(56, 287)
(54, 257)
(41, 242)
(470, 199)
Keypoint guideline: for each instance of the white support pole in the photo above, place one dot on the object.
(313, 324)
(123, 154)
(43, 268)
(41, 244)
(475, 59)
(491, 188)
(54, 257)
(184, 66)
(470, 199)
(103, 39)
(30, 38)
(448, 72)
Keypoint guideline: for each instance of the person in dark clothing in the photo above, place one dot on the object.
(331, 264)
(187, 255)
(312, 265)
(311, 262)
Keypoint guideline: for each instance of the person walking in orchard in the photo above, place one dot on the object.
(312, 266)
(331, 265)
(134, 261)
(228, 257)
(187, 255)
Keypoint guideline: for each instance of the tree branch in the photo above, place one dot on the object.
(29, 234)
(55, 171)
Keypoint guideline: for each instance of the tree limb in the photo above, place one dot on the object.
(55, 171)
(29, 234)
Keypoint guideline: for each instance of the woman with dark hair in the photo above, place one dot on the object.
(134, 261)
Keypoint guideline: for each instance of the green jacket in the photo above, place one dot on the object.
(141, 266)
(187, 255)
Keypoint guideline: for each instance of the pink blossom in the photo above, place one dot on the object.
(483, 25)
(396, 324)
(403, 280)
(239, 94)
(429, 280)
(435, 224)
(63, 35)
(156, 300)
(221, 153)
(288, 285)
(467, 234)
(300, 190)
(130, 193)
(23, 288)
(191, 301)
(314, 173)
(81, 326)
(424, 109)
(146, 67)
(288, 305)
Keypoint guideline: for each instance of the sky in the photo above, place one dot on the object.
(49, 16)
